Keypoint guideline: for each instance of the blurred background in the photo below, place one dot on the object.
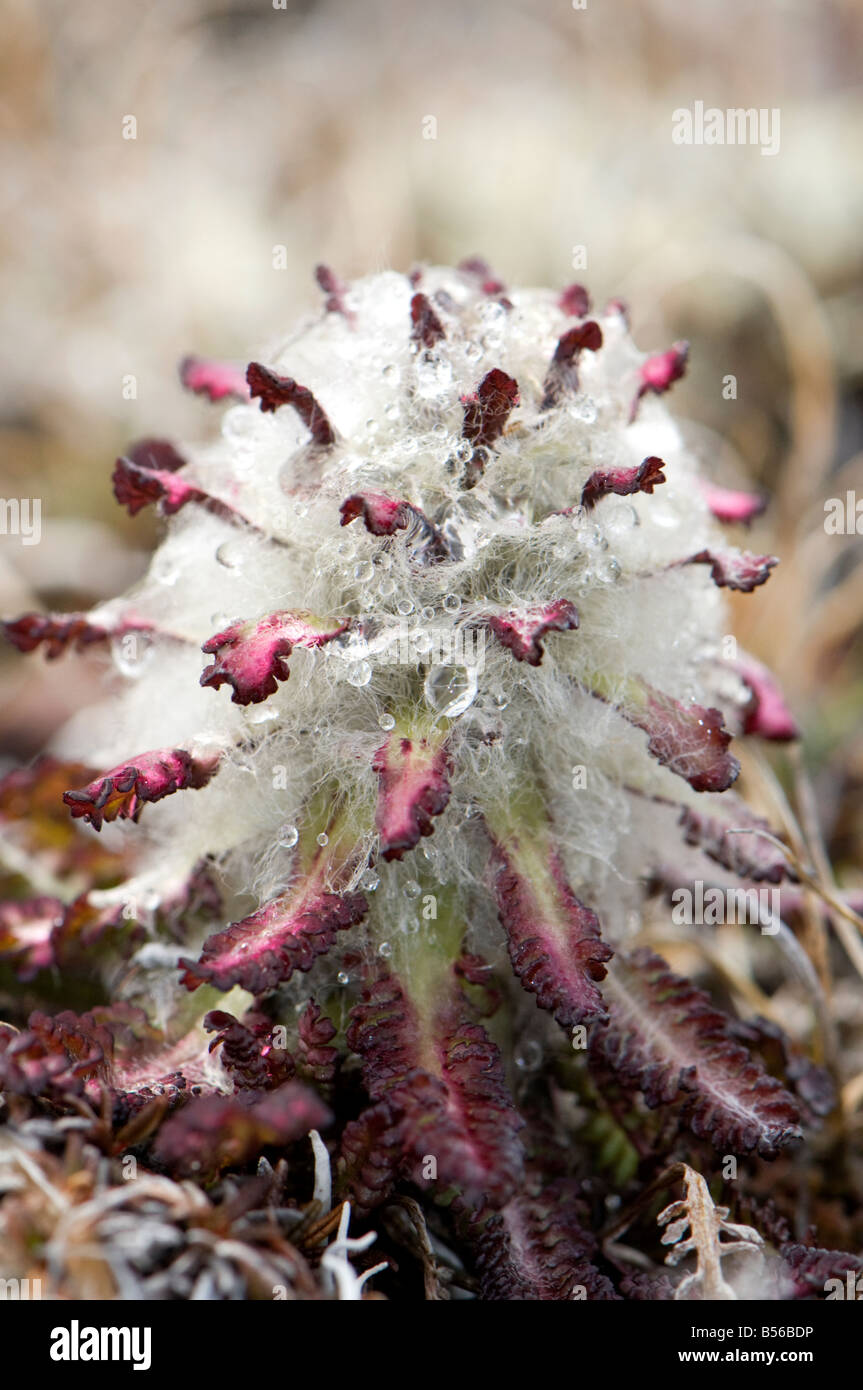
(378, 133)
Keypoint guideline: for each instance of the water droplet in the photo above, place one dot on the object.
(386, 722)
(391, 373)
(287, 474)
(392, 411)
(452, 603)
(230, 554)
(163, 570)
(492, 312)
(364, 571)
(261, 714)
(482, 762)
(288, 836)
(385, 950)
(244, 460)
(529, 1056)
(301, 509)
(481, 457)
(463, 451)
(405, 606)
(132, 653)
(594, 539)
(439, 430)
(369, 880)
(434, 376)
(664, 514)
(239, 423)
(427, 614)
(584, 409)
(386, 587)
(623, 518)
(343, 977)
(346, 549)
(450, 690)
(323, 839)
(501, 701)
(412, 888)
(359, 674)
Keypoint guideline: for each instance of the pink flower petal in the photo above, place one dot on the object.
(575, 301)
(136, 487)
(158, 455)
(522, 629)
(426, 327)
(641, 477)
(122, 793)
(487, 411)
(476, 269)
(216, 380)
(659, 373)
(562, 375)
(383, 515)
(689, 740)
(735, 569)
(768, 716)
(335, 289)
(413, 788)
(485, 415)
(728, 504)
(63, 632)
(275, 391)
(252, 656)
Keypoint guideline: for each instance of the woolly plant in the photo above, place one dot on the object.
(426, 689)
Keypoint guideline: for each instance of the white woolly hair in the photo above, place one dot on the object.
(398, 414)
